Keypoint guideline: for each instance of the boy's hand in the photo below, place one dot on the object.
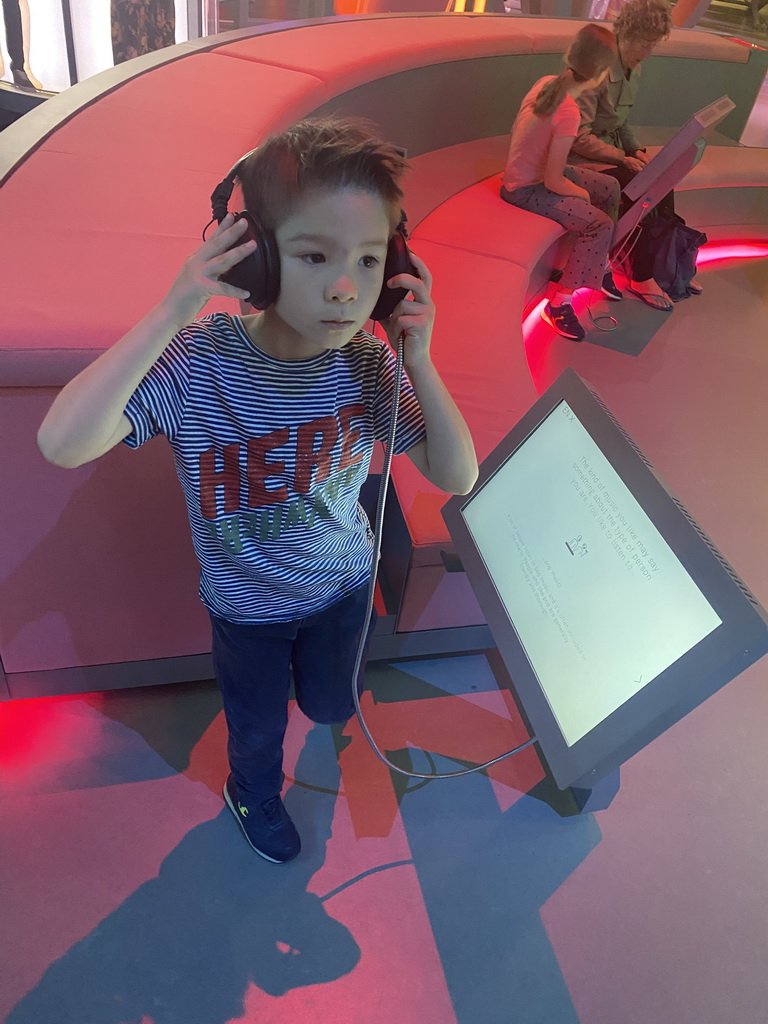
(198, 279)
(413, 316)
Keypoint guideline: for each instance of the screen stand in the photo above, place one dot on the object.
(565, 802)
(652, 196)
(575, 800)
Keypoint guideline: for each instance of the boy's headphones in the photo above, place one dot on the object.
(259, 272)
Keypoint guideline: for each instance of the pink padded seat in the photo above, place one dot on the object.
(481, 360)
(480, 252)
(478, 220)
(702, 46)
(96, 222)
(99, 274)
(121, 186)
(728, 167)
(333, 52)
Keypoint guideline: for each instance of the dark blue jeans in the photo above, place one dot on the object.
(253, 669)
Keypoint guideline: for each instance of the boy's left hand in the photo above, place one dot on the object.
(414, 316)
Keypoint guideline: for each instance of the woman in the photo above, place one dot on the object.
(606, 143)
(536, 177)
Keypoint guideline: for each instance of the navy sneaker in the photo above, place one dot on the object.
(564, 321)
(267, 826)
(610, 288)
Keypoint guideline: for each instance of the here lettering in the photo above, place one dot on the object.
(314, 443)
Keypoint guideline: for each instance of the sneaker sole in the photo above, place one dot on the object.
(611, 295)
(228, 802)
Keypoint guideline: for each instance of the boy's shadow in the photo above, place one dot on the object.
(485, 877)
(185, 946)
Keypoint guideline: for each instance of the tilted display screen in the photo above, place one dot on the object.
(614, 613)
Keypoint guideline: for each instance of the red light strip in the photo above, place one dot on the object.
(743, 42)
(732, 251)
(707, 254)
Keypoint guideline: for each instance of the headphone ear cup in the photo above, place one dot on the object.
(397, 261)
(259, 273)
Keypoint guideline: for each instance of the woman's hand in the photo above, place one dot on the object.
(632, 164)
(413, 316)
(198, 279)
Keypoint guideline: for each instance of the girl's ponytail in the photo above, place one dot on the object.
(552, 94)
(592, 52)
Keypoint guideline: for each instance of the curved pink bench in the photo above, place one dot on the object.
(489, 261)
(105, 193)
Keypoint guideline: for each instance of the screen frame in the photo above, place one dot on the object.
(669, 166)
(698, 127)
(740, 640)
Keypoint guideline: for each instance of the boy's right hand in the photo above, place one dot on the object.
(198, 279)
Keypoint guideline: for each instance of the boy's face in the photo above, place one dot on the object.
(332, 248)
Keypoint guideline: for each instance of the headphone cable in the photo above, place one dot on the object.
(613, 262)
(379, 519)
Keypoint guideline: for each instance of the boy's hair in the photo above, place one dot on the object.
(650, 19)
(591, 52)
(327, 153)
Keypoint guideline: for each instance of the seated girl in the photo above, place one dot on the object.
(536, 177)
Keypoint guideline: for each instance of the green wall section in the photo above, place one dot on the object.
(441, 105)
(673, 88)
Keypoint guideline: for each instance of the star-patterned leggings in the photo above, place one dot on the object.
(591, 222)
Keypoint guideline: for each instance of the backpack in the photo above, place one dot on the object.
(675, 248)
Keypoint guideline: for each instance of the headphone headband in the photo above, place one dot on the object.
(259, 272)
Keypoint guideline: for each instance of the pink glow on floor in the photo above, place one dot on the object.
(30, 731)
(732, 251)
(535, 340)
(537, 336)
(532, 318)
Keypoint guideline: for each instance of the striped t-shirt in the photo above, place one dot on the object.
(271, 455)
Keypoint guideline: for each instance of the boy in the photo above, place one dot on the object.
(272, 419)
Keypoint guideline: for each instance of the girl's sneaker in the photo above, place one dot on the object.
(564, 321)
(267, 826)
(610, 289)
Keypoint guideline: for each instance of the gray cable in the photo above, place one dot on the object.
(614, 261)
(379, 519)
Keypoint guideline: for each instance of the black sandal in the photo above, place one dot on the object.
(655, 300)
